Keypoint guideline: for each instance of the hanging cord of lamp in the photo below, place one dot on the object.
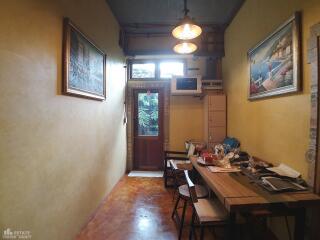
(185, 8)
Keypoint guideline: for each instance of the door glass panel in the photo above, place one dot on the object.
(148, 113)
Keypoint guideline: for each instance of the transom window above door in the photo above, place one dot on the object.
(171, 68)
(156, 69)
(143, 71)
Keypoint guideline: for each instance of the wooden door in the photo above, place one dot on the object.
(148, 129)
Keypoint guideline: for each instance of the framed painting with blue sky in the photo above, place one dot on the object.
(275, 62)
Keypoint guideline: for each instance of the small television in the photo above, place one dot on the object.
(186, 85)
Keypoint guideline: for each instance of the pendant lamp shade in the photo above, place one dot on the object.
(186, 29)
(185, 48)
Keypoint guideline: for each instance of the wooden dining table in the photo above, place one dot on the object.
(239, 194)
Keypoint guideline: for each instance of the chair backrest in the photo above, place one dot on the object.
(191, 186)
(173, 165)
(175, 172)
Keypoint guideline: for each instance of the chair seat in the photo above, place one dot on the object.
(201, 191)
(210, 211)
(179, 163)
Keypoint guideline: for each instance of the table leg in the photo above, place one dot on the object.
(299, 223)
(232, 226)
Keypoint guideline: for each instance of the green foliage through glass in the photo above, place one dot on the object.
(148, 114)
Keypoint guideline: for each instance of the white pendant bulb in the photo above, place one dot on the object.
(186, 30)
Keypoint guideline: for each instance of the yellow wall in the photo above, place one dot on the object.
(274, 129)
(186, 120)
(59, 155)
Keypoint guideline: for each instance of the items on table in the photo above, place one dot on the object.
(198, 146)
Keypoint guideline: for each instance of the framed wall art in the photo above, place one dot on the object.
(84, 65)
(275, 62)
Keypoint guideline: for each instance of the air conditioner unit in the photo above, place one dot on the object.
(186, 85)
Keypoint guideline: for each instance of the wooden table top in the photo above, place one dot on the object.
(237, 193)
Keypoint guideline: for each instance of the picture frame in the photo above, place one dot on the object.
(84, 65)
(275, 64)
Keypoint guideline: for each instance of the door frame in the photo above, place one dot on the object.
(160, 122)
(131, 86)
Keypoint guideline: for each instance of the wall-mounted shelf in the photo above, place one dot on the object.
(215, 122)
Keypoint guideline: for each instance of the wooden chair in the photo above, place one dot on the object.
(172, 155)
(183, 191)
(177, 167)
(206, 212)
(177, 156)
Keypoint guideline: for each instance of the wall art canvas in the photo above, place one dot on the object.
(84, 65)
(275, 62)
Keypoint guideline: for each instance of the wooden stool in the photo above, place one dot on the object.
(207, 212)
(183, 193)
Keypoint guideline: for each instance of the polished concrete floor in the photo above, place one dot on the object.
(137, 209)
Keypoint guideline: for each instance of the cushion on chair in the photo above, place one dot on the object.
(201, 191)
(209, 210)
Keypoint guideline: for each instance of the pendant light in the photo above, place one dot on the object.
(187, 29)
(185, 48)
